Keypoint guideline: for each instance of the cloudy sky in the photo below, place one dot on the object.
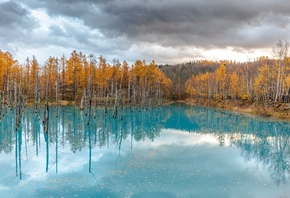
(167, 31)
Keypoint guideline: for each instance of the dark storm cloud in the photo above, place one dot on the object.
(200, 23)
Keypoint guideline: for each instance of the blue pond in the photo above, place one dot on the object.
(171, 151)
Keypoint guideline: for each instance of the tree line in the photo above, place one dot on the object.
(86, 81)
(89, 81)
(266, 79)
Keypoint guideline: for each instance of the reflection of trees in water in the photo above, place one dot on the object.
(6, 137)
(273, 152)
(103, 130)
(71, 127)
(256, 138)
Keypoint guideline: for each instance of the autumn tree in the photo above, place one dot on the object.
(235, 85)
(83, 79)
(73, 71)
(221, 80)
(10, 73)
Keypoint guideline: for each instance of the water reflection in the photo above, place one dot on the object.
(259, 139)
(70, 129)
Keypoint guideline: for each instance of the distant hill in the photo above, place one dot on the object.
(179, 73)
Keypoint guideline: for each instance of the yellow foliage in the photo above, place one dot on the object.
(221, 73)
(235, 85)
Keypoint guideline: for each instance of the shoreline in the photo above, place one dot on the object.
(271, 110)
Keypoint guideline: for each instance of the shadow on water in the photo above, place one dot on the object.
(260, 139)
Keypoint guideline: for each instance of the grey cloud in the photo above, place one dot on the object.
(173, 23)
(56, 30)
(121, 28)
(11, 14)
(15, 26)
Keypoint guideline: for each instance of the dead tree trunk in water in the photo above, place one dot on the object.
(19, 107)
(89, 99)
(83, 100)
(36, 95)
(1, 104)
(9, 93)
(57, 88)
(134, 96)
(95, 103)
(46, 107)
(46, 116)
(129, 92)
(106, 103)
(117, 97)
(15, 94)
(116, 102)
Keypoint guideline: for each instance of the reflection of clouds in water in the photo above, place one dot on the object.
(177, 164)
(156, 156)
(73, 172)
(175, 137)
(187, 139)
(192, 170)
(2, 187)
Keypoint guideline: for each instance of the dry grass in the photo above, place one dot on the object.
(279, 111)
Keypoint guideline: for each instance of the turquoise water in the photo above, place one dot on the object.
(171, 151)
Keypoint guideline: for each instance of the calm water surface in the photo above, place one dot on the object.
(171, 151)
